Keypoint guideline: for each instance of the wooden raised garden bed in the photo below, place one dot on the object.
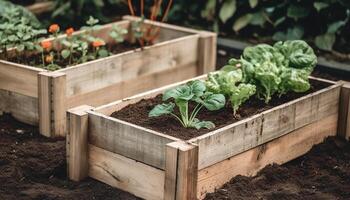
(153, 165)
(37, 96)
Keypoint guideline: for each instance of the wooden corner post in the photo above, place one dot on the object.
(207, 52)
(52, 104)
(77, 142)
(344, 112)
(181, 171)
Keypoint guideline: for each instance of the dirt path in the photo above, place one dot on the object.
(33, 167)
(323, 173)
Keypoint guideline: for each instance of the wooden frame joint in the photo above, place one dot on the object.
(181, 171)
(77, 142)
(344, 111)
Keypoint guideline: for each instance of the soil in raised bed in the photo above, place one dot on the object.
(323, 173)
(35, 59)
(34, 167)
(138, 113)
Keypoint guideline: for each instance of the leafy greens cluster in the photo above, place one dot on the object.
(280, 68)
(193, 91)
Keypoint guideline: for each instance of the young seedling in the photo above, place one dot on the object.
(194, 91)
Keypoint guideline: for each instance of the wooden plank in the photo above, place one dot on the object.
(280, 150)
(126, 174)
(59, 104)
(207, 52)
(344, 112)
(128, 140)
(77, 143)
(19, 79)
(134, 86)
(171, 159)
(231, 140)
(101, 73)
(181, 171)
(23, 108)
(45, 91)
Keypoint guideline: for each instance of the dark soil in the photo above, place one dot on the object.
(33, 167)
(35, 59)
(323, 173)
(138, 114)
(223, 56)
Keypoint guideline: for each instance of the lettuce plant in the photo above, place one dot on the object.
(298, 64)
(277, 69)
(228, 81)
(194, 91)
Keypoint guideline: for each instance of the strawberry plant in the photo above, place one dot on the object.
(194, 91)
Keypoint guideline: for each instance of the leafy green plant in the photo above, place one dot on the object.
(194, 91)
(228, 81)
(17, 33)
(118, 33)
(277, 69)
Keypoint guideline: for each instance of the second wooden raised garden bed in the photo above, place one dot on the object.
(153, 165)
(40, 97)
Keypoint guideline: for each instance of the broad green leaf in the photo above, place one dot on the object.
(227, 10)
(181, 92)
(320, 5)
(197, 87)
(297, 12)
(162, 109)
(20, 47)
(253, 3)
(242, 22)
(334, 27)
(214, 102)
(325, 42)
(202, 124)
(65, 53)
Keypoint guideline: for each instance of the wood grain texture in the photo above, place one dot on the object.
(126, 66)
(344, 112)
(129, 175)
(181, 171)
(207, 52)
(45, 107)
(132, 87)
(77, 143)
(59, 107)
(19, 78)
(23, 108)
(266, 126)
(128, 140)
(280, 150)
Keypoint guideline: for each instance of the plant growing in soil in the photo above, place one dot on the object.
(17, 34)
(228, 81)
(277, 69)
(194, 91)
